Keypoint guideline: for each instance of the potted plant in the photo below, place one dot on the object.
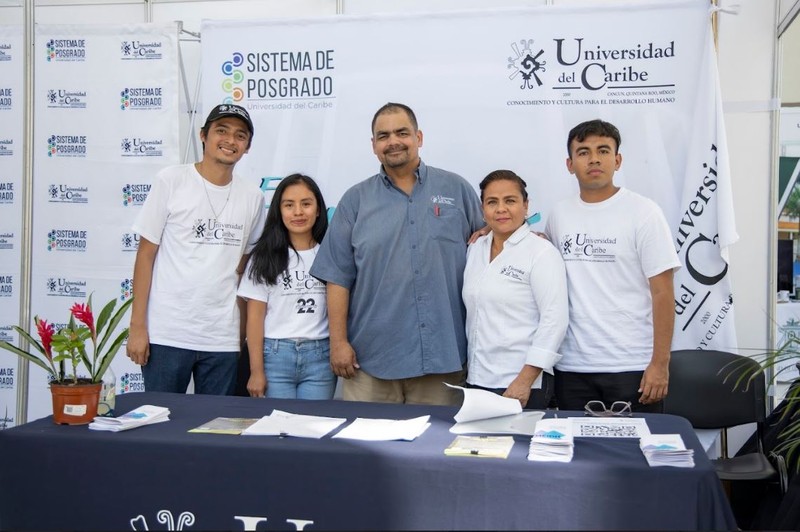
(787, 442)
(75, 397)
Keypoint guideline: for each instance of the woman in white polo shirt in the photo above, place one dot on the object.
(515, 293)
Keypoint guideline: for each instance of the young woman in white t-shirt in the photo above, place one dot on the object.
(287, 317)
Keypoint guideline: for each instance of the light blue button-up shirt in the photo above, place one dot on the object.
(402, 258)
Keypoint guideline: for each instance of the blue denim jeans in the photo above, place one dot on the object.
(169, 369)
(298, 369)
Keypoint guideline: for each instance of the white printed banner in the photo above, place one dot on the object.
(501, 89)
(11, 138)
(106, 100)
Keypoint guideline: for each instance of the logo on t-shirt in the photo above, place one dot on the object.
(211, 232)
(514, 273)
(590, 248)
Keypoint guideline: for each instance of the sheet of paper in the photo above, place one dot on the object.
(482, 404)
(281, 423)
(385, 429)
(225, 425)
(523, 423)
(609, 427)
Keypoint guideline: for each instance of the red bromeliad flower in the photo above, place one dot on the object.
(46, 332)
(83, 313)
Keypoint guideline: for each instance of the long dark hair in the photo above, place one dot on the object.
(270, 256)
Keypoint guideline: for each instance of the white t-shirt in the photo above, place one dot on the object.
(296, 305)
(517, 308)
(192, 301)
(610, 250)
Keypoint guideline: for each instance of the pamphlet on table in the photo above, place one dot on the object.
(385, 429)
(553, 441)
(225, 425)
(138, 417)
(481, 446)
(666, 450)
(280, 423)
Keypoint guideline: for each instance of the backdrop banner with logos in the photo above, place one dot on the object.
(11, 138)
(501, 89)
(106, 120)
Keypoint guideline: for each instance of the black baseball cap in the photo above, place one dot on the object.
(227, 109)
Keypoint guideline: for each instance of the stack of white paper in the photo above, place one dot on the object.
(385, 429)
(666, 450)
(484, 412)
(138, 417)
(281, 423)
(552, 441)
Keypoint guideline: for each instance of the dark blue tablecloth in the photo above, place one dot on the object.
(161, 477)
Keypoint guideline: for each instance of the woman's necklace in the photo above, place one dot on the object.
(208, 197)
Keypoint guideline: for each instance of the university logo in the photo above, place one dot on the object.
(527, 64)
(199, 227)
(6, 147)
(125, 290)
(165, 518)
(514, 273)
(67, 194)
(6, 192)
(789, 331)
(64, 99)
(6, 240)
(67, 240)
(129, 242)
(5, 51)
(63, 287)
(7, 333)
(6, 285)
(139, 147)
(66, 146)
(66, 50)
(5, 99)
(140, 50)
(141, 98)
(134, 194)
(131, 382)
(187, 519)
(231, 84)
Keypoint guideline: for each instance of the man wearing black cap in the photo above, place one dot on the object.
(196, 229)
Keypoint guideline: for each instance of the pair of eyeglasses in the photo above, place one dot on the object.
(598, 409)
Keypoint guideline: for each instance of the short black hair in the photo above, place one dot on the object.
(598, 128)
(393, 107)
(507, 175)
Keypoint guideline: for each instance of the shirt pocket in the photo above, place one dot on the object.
(447, 223)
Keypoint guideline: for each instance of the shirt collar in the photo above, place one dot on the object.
(517, 236)
(421, 172)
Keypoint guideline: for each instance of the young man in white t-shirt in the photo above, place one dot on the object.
(619, 256)
(196, 228)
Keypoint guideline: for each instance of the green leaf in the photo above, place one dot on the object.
(105, 360)
(104, 315)
(113, 324)
(27, 356)
(30, 340)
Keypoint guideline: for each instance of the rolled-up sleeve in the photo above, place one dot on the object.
(549, 288)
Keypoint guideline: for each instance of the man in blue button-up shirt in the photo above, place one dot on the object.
(393, 260)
